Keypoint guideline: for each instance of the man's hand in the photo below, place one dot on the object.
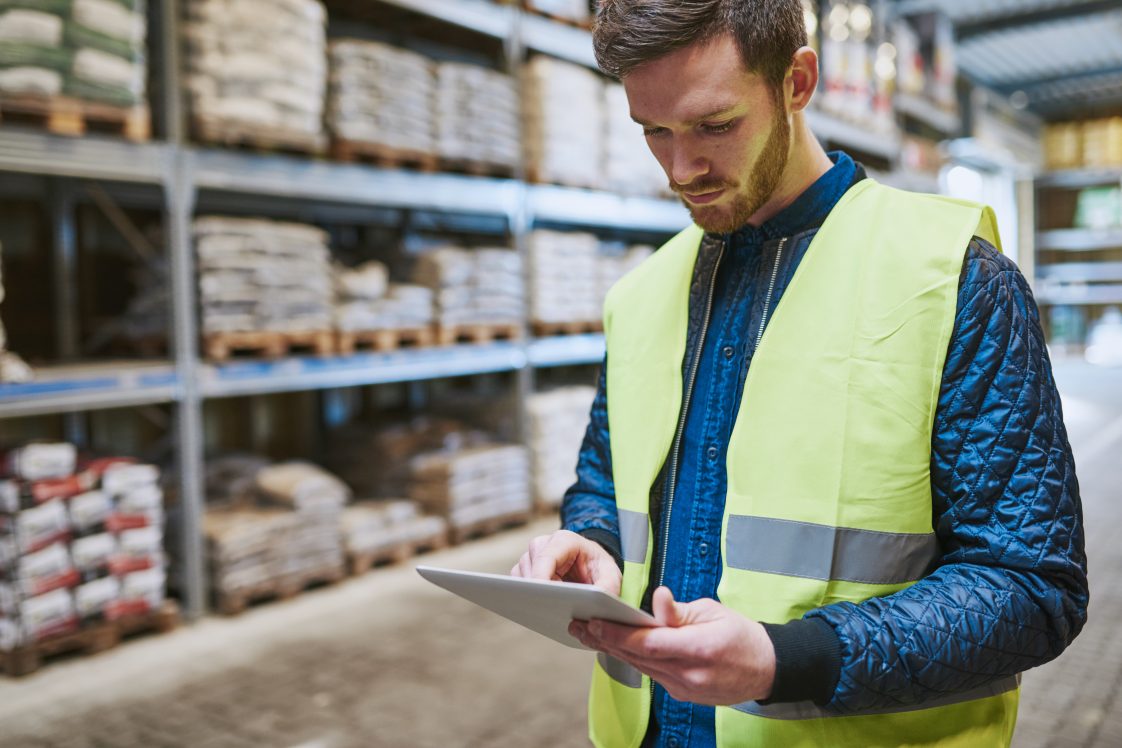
(569, 557)
(703, 653)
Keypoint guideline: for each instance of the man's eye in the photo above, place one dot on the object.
(717, 128)
(651, 132)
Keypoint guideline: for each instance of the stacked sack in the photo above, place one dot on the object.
(572, 10)
(377, 527)
(366, 300)
(617, 260)
(476, 114)
(563, 122)
(257, 275)
(564, 285)
(629, 166)
(12, 367)
(470, 486)
(88, 49)
(381, 95)
(557, 421)
(272, 525)
(257, 64)
(76, 545)
(478, 286)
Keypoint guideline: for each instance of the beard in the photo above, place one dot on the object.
(765, 176)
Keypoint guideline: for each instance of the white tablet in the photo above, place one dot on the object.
(545, 607)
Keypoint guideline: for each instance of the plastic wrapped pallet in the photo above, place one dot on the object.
(474, 485)
(629, 166)
(476, 114)
(93, 50)
(476, 286)
(562, 110)
(257, 275)
(381, 95)
(563, 276)
(557, 421)
(257, 66)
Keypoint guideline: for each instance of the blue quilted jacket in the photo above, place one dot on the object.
(1010, 592)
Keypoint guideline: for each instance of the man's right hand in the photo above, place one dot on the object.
(568, 557)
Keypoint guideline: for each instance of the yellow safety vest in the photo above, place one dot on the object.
(829, 489)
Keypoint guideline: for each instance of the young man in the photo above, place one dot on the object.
(827, 451)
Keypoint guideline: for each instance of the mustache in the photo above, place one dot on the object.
(699, 187)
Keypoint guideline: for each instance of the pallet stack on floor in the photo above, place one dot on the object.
(81, 554)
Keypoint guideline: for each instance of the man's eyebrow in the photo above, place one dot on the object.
(711, 115)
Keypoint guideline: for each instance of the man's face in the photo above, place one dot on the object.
(717, 130)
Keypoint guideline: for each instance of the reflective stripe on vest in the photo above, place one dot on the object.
(829, 495)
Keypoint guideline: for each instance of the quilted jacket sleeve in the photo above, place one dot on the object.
(589, 506)
(1010, 591)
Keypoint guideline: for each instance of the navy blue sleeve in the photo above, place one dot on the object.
(589, 506)
(1010, 591)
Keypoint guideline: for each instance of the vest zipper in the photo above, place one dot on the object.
(770, 292)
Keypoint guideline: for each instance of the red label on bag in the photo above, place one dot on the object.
(118, 522)
(43, 491)
(122, 608)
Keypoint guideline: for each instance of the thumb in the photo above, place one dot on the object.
(666, 610)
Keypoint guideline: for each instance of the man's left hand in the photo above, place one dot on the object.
(703, 652)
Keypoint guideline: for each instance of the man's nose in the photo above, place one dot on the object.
(686, 165)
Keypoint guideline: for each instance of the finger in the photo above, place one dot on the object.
(525, 566)
(663, 643)
(558, 556)
(666, 610)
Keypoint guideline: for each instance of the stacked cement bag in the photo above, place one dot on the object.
(476, 114)
(476, 286)
(257, 275)
(381, 95)
(79, 543)
(563, 122)
(629, 166)
(257, 64)
(366, 300)
(371, 528)
(12, 367)
(558, 420)
(564, 277)
(88, 49)
(473, 485)
(616, 261)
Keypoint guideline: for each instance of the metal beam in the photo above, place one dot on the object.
(997, 24)
(1076, 76)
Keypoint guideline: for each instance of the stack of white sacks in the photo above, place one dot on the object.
(472, 485)
(617, 260)
(476, 114)
(629, 166)
(257, 64)
(12, 367)
(563, 276)
(476, 286)
(257, 275)
(563, 122)
(573, 10)
(78, 544)
(366, 300)
(381, 95)
(558, 420)
(377, 526)
(89, 49)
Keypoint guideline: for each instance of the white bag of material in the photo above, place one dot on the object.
(31, 27)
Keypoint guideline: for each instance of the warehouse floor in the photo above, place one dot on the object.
(389, 660)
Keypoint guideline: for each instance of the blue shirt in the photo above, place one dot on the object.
(693, 563)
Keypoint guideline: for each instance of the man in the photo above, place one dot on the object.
(827, 451)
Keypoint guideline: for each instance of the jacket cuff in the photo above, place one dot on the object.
(608, 540)
(807, 660)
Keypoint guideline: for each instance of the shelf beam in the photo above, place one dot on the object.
(88, 157)
(1079, 240)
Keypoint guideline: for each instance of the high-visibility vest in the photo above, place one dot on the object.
(829, 487)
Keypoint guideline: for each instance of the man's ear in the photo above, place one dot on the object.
(802, 78)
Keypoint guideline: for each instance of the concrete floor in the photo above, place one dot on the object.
(389, 660)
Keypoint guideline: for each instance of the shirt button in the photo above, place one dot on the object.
(673, 742)
(727, 350)
(703, 549)
(712, 452)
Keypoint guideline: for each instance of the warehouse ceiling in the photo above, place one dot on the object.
(1058, 58)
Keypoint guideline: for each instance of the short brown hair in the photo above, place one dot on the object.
(628, 33)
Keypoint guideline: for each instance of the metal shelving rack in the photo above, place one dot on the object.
(184, 173)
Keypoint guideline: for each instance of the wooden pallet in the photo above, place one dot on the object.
(357, 151)
(347, 342)
(63, 115)
(548, 329)
(477, 168)
(478, 334)
(97, 637)
(360, 563)
(285, 588)
(221, 346)
(240, 134)
(534, 175)
(489, 526)
(530, 6)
